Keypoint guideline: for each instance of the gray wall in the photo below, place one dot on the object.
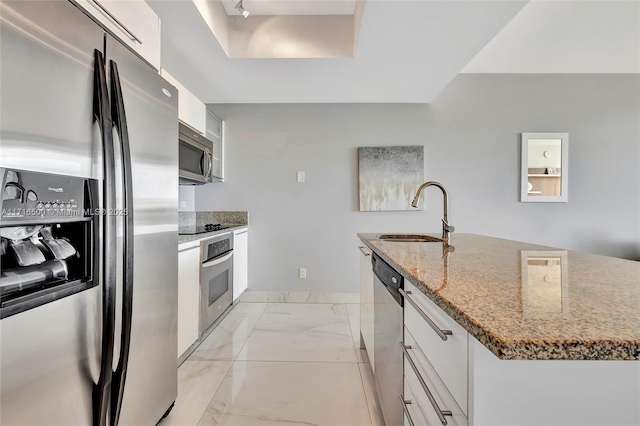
(187, 198)
(471, 137)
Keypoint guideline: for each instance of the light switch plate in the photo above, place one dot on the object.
(183, 204)
(300, 177)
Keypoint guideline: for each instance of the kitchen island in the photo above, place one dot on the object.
(544, 336)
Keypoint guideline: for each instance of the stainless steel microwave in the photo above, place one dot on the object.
(198, 164)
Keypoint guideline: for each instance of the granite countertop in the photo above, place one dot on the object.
(581, 307)
(188, 238)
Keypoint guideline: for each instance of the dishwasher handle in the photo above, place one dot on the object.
(218, 260)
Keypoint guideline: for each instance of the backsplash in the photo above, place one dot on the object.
(204, 218)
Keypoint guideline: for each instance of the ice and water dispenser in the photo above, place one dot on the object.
(48, 238)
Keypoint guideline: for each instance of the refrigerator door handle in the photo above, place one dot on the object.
(120, 124)
(102, 114)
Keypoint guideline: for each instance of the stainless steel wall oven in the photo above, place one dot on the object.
(216, 278)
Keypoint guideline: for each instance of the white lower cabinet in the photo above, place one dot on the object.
(412, 414)
(430, 394)
(406, 421)
(240, 261)
(449, 357)
(188, 297)
(480, 389)
(366, 301)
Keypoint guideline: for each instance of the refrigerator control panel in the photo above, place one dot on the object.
(35, 197)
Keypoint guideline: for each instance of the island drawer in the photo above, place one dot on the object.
(412, 414)
(421, 380)
(448, 357)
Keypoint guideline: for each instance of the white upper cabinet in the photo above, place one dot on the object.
(215, 133)
(190, 110)
(133, 22)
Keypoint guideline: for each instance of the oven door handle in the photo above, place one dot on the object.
(218, 260)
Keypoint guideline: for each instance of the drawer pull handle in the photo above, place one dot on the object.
(441, 413)
(364, 252)
(442, 333)
(406, 410)
(131, 35)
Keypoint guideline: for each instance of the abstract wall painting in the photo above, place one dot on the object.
(389, 177)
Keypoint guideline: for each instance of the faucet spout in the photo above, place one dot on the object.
(446, 227)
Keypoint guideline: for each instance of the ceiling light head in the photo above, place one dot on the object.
(241, 9)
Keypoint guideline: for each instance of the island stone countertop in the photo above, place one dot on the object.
(590, 310)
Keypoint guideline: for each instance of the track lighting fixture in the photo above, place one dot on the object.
(241, 9)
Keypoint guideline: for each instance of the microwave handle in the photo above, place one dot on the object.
(209, 165)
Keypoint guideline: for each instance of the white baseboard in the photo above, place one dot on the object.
(298, 297)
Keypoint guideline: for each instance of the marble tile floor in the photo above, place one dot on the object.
(279, 364)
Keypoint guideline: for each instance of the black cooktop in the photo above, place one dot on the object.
(200, 229)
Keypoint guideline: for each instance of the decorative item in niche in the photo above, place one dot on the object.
(389, 176)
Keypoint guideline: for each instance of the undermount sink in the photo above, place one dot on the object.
(410, 238)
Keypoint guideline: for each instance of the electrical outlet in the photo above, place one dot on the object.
(183, 204)
(302, 273)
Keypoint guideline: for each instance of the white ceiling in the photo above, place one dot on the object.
(407, 52)
(293, 7)
(566, 37)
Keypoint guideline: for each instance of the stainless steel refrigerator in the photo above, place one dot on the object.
(75, 101)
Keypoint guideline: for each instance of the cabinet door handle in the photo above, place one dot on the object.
(406, 410)
(364, 252)
(442, 333)
(131, 35)
(441, 413)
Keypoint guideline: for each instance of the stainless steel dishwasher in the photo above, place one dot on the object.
(388, 356)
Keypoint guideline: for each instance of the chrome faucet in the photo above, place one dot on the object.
(446, 227)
